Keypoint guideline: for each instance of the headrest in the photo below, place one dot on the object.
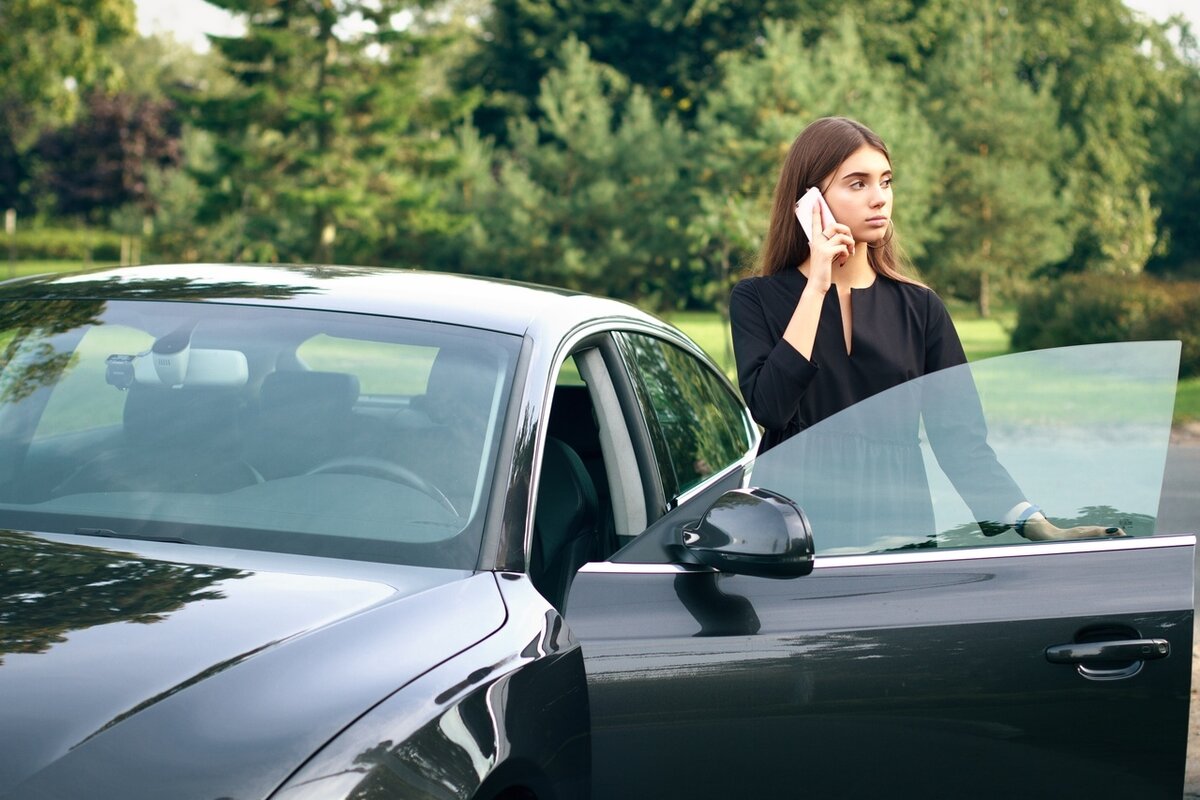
(460, 386)
(458, 370)
(317, 393)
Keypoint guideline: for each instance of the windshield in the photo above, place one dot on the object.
(945, 460)
(263, 428)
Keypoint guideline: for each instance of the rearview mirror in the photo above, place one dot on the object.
(753, 532)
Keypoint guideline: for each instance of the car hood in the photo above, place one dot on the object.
(220, 671)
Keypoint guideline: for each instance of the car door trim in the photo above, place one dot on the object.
(964, 554)
(616, 444)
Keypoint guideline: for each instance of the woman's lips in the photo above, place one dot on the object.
(878, 222)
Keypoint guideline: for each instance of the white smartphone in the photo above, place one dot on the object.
(804, 209)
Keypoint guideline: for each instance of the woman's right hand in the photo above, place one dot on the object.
(831, 246)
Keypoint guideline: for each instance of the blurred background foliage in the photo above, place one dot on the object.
(1046, 153)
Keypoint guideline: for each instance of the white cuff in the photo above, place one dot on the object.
(1015, 513)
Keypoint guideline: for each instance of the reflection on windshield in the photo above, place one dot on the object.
(1081, 432)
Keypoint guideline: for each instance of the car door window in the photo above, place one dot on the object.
(697, 424)
(947, 459)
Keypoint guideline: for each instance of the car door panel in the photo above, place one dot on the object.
(920, 658)
(921, 678)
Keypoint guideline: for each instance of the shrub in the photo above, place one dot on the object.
(1092, 308)
(66, 244)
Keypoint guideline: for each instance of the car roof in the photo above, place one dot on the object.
(490, 303)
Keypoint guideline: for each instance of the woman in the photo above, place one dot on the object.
(831, 322)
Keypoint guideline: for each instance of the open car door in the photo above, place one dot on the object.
(932, 651)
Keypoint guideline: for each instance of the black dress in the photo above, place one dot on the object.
(861, 476)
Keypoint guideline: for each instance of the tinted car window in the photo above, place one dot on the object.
(252, 427)
(697, 424)
(941, 461)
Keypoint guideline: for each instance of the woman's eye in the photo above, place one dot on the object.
(857, 185)
(887, 183)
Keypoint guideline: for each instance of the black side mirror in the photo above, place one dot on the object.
(753, 532)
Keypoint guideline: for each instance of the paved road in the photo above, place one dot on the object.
(1179, 512)
(1179, 507)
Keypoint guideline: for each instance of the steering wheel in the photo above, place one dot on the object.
(388, 470)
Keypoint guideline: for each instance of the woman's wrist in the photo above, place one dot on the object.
(1037, 528)
(815, 289)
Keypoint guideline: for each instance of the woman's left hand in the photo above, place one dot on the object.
(1040, 529)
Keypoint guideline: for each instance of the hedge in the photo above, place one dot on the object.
(1092, 308)
(64, 244)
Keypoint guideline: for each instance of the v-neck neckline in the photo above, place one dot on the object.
(847, 330)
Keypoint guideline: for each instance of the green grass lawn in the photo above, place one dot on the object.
(1187, 400)
(981, 338)
(20, 269)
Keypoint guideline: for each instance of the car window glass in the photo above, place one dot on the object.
(387, 368)
(697, 423)
(81, 399)
(375, 441)
(1081, 432)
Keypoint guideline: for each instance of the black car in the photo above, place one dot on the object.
(313, 532)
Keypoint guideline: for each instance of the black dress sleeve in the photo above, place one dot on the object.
(957, 429)
(772, 375)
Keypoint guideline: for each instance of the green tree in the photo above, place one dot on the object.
(670, 49)
(1003, 145)
(311, 144)
(1105, 69)
(590, 196)
(1108, 73)
(101, 161)
(1177, 163)
(50, 52)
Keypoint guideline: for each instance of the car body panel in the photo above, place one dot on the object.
(509, 712)
(920, 677)
(216, 664)
(504, 306)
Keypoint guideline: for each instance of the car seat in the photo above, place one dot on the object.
(565, 522)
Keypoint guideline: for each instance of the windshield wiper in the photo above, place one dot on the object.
(114, 535)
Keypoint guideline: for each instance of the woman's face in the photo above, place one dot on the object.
(859, 193)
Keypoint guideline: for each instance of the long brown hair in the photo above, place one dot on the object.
(820, 149)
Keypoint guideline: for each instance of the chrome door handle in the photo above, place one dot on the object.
(1109, 660)
(1126, 650)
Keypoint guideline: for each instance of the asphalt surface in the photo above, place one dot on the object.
(1179, 512)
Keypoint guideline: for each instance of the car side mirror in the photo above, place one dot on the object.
(753, 532)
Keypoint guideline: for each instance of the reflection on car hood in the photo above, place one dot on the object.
(223, 676)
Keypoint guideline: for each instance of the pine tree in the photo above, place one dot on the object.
(669, 49)
(313, 142)
(589, 196)
(1006, 218)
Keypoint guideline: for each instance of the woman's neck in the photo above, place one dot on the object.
(856, 273)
